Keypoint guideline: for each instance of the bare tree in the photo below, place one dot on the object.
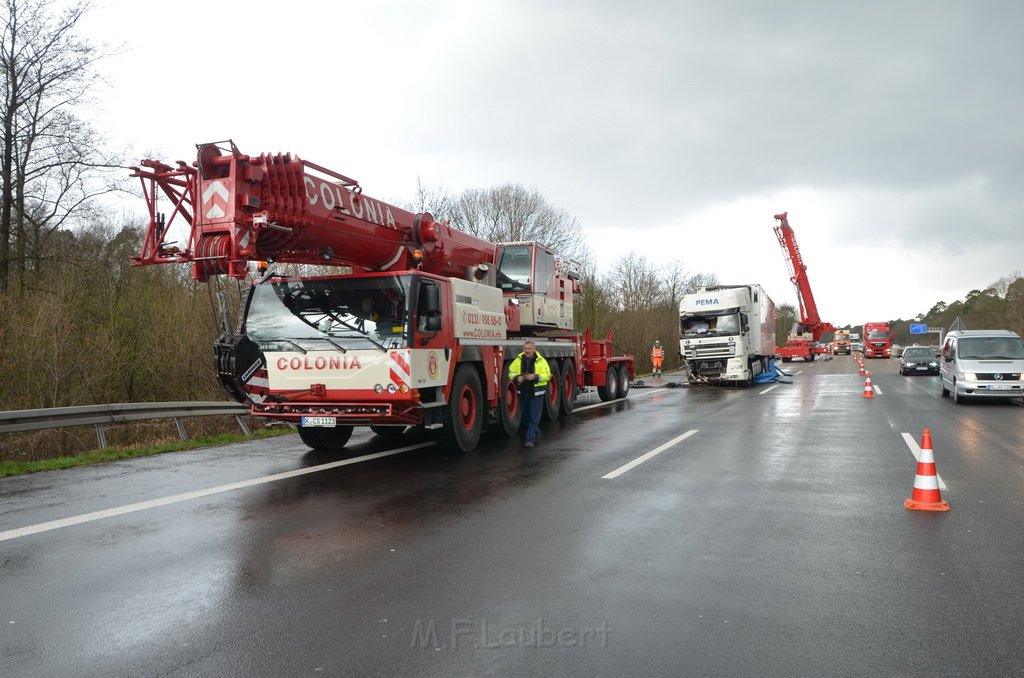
(51, 165)
(435, 200)
(675, 282)
(635, 282)
(512, 213)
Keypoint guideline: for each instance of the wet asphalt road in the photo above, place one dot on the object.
(772, 541)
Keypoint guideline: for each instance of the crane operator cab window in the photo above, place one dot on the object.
(515, 270)
(323, 314)
(519, 264)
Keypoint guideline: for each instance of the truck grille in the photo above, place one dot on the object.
(716, 350)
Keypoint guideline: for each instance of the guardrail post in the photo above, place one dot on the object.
(181, 428)
(101, 436)
(241, 422)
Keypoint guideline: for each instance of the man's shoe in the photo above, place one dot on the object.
(529, 443)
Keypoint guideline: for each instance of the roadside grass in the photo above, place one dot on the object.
(14, 468)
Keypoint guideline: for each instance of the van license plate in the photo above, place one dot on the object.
(1000, 387)
(319, 421)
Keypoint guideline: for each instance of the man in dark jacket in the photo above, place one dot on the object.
(530, 370)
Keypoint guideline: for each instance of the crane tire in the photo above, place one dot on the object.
(553, 397)
(463, 415)
(569, 388)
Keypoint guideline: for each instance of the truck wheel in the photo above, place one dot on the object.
(610, 390)
(553, 398)
(325, 439)
(388, 431)
(569, 388)
(623, 381)
(510, 413)
(462, 417)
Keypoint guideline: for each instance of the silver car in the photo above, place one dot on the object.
(982, 364)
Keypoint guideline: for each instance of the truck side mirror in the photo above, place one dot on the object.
(431, 298)
(429, 311)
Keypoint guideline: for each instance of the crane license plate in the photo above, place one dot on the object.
(319, 421)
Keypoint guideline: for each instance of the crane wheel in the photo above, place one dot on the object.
(569, 388)
(553, 398)
(510, 413)
(463, 416)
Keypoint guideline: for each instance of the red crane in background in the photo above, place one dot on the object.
(808, 331)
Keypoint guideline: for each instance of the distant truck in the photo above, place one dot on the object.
(877, 340)
(841, 343)
(727, 333)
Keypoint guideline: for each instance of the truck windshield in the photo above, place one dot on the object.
(515, 268)
(991, 348)
(697, 325)
(321, 314)
(878, 335)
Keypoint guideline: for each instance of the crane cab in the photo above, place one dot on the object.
(540, 283)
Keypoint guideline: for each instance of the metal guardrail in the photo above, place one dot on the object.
(99, 415)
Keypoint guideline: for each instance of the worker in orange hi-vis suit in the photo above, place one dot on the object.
(657, 356)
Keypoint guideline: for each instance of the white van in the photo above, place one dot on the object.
(982, 363)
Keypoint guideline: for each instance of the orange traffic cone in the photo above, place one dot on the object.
(861, 370)
(869, 390)
(926, 496)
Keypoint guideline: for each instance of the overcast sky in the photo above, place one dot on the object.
(891, 132)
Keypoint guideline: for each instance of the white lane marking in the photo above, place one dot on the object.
(877, 390)
(619, 400)
(915, 450)
(768, 389)
(644, 457)
(177, 498)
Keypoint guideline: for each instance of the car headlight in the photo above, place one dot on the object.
(970, 376)
(933, 364)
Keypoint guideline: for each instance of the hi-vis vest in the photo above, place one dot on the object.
(540, 367)
(657, 353)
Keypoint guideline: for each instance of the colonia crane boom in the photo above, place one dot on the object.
(417, 329)
(808, 331)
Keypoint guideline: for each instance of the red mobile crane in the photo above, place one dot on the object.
(802, 341)
(418, 330)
